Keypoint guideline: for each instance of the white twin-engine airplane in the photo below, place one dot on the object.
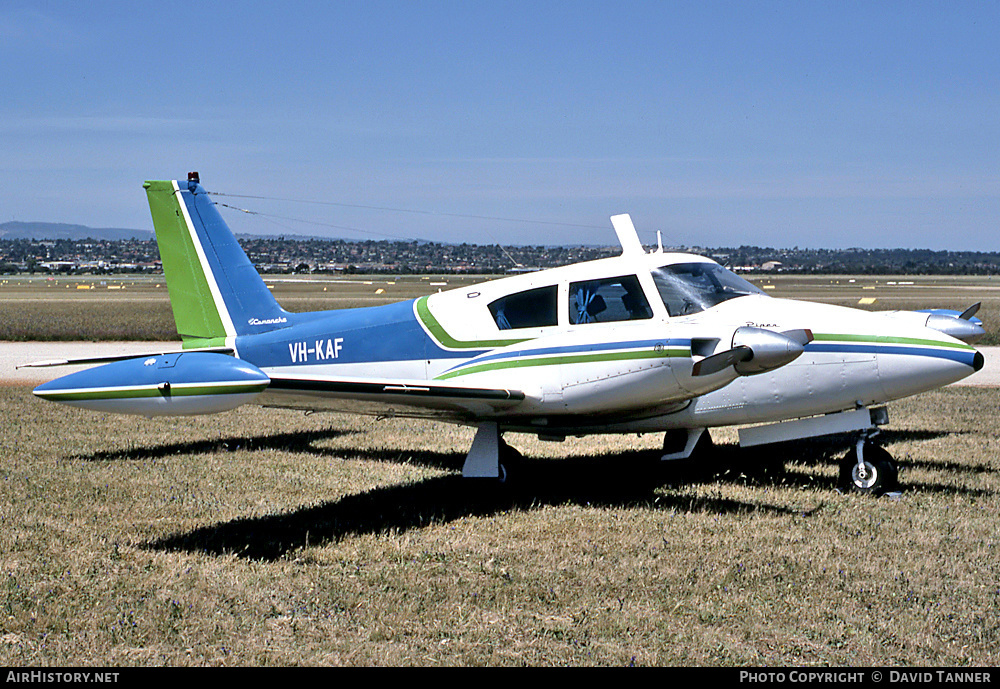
(641, 342)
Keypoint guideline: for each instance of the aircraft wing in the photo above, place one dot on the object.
(388, 397)
(207, 381)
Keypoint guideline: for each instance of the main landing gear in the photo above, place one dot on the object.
(868, 468)
(490, 456)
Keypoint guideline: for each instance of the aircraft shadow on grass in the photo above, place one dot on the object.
(726, 461)
(935, 464)
(618, 480)
(412, 506)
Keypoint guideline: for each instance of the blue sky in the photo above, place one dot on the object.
(810, 124)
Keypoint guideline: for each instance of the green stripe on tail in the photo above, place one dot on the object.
(195, 313)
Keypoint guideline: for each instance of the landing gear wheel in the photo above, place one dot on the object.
(509, 463)
(876, 473)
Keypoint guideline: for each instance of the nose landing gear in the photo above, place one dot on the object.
(868, 468)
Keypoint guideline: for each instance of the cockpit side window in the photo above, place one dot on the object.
(534, 308)
(692, 287)
(608, 300)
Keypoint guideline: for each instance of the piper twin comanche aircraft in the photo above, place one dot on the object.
(642, 342)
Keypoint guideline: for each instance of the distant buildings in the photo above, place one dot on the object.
(297, 255)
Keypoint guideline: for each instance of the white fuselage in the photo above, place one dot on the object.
(590, 376)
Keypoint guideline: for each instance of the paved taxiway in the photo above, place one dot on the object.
(14, 354)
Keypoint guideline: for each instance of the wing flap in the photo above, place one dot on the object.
(414, 389)
(416, 398)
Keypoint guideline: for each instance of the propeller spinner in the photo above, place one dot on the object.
(961, 327)
(756, 350)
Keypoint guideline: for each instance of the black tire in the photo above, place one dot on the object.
(510, 463)
(878, 474)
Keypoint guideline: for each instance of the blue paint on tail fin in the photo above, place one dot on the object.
(251, 307)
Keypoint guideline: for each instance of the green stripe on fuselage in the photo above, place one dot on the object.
(568, 359)
(888, 339)
(449, 342)
(195, 312)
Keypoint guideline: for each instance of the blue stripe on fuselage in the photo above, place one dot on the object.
(962, 356)
(350, 336)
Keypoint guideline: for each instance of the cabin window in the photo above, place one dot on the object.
(692, 287)
(608, 300)
(535, 308)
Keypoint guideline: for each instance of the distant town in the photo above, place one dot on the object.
(330, 256)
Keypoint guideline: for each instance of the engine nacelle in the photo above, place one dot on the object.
(177, 384)
(596, 369)
(967, 329)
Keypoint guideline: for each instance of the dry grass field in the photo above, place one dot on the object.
(263, 537)
(270, 537)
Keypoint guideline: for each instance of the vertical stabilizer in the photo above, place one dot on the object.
(215, 292)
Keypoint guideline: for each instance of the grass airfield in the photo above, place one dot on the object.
(137, 307)
(270, 537)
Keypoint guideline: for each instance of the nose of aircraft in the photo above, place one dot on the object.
(909, 364)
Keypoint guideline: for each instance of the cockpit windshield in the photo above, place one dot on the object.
(692, 287)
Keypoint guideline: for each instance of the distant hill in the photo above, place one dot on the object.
(53, 230)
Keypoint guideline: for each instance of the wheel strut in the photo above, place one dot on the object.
(868, 468)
